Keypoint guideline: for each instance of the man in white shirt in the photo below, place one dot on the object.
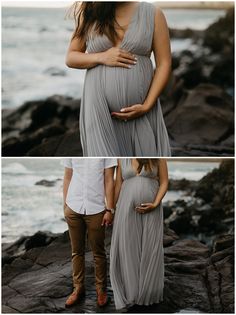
(87, 184)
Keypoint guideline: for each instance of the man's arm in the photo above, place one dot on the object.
(109, 194)
(109, 187)
(66, 182)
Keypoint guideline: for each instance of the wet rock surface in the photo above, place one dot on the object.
(197, 104)
(38, 279)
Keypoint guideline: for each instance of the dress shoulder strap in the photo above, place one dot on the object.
(148, 14)
(150, 10)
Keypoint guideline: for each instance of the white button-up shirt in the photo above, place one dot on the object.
(86, 192)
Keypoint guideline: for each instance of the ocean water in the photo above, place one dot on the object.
(28, 208)
(34, 44)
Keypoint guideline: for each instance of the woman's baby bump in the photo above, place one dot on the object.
(140, 189)
(124, 87)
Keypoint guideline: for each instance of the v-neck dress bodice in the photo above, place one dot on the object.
(131, 40)
(108, 89)
(128, 171)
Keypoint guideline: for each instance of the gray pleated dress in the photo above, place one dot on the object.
(108, 89)
(136, 255)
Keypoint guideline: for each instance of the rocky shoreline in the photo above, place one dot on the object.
(36, 276)
(199, 257)
(208, 209)
(197, 104)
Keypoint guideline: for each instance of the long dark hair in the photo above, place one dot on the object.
(98, 14)
(148, 164)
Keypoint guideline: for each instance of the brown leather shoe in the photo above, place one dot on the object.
(75, 297)
(102, 298)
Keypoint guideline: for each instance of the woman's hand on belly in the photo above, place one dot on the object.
(116, 57)
(132, 112)
(146, 207)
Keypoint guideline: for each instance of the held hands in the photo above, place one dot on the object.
(146, 208)
(132, 112)
(107, 219)
(117, 57)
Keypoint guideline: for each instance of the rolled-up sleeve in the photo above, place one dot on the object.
(67, 163)
(110, 163)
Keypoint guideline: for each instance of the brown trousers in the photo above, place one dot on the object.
(78, 225)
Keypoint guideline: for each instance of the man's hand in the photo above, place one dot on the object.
(145, 208)
(107, 219)
(131, 112)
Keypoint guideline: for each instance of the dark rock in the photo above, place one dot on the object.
(40, 281)
(169, 237)
(217, 187)
(182, 184)
(6, 259)
(42, 123)
(202, 150)
(185, 33)
(24, 243)
(47, 183)
(221, 271)
(8, 310)
(167, 209)
(223, 242)
(55, 72)
(65, 145)
(39, 239)
(229, 142)
(17, 267)
(210, 210)
(215, 118)
(221, 33)
(204, 71)
(190, 71)
(179, 221)
(21, 146)
(222, 73)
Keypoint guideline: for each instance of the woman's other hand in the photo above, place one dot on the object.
(145, 208)
(131, 112)
(116, 57)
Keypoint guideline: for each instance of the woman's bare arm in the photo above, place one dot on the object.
(78, 58)
(162, 53)
(163, 180)
(118, 182)
(66, 182)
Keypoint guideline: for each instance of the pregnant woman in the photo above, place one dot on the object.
(136, 256)
(120, 112)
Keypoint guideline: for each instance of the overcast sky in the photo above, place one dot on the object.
(36, 4)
